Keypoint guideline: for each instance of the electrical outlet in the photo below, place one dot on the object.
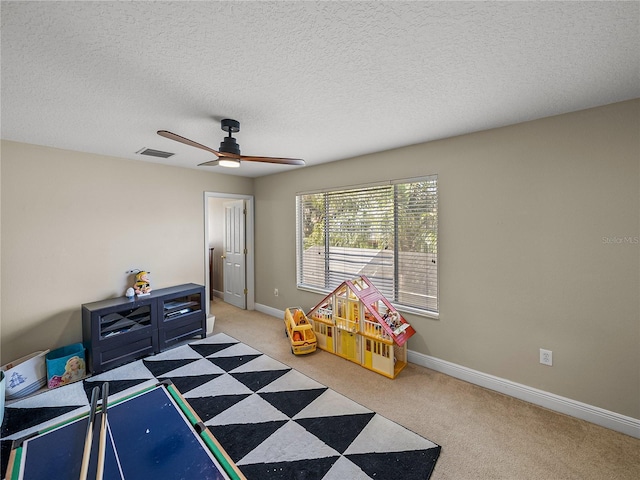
(546, 357)
(275, 292)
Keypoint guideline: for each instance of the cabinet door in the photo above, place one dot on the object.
(182, 315)
(120, 334)
(122, 321)
(111, 354)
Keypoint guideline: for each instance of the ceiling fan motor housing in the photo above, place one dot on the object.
(229, 145)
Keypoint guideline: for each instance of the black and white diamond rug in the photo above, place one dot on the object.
(273, 421)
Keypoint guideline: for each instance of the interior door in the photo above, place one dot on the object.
(235, 253)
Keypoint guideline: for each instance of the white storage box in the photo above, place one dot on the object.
(25, 375)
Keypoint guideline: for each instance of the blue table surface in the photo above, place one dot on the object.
(153, 440)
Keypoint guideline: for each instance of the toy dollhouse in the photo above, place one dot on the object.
(358, 323)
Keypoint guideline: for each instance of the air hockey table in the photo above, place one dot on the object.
(151, 434)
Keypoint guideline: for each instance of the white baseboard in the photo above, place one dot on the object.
(218, 294)
(274, 312)
(599, 416)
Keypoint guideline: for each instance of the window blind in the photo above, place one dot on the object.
(387, 232)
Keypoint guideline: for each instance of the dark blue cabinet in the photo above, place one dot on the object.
(119, 330)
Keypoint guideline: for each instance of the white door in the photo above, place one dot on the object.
(235, 253)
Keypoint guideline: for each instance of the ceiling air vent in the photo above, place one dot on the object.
(155, 153)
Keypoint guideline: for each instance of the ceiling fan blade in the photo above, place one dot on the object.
(212, 163)
(283, 161)
(186, 141)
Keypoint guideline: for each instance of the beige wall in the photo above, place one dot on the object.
(527, 216)
(74, 223)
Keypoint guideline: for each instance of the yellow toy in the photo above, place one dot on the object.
(300, 331)
(142, 285)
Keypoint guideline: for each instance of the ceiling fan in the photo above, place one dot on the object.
(229, 152)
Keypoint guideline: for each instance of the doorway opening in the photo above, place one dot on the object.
(229, 245)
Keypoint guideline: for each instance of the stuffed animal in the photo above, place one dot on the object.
(142, 285)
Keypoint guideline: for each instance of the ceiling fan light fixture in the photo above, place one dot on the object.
(229, 162)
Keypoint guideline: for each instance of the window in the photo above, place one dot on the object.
(387, 232)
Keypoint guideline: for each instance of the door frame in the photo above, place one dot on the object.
(249, 243)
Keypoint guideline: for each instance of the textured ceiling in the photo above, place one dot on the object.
(321, 81)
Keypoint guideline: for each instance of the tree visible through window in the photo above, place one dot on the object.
(387, 232)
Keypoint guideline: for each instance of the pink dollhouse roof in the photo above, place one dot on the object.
(369, 295)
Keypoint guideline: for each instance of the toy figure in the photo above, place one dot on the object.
(142, 285)
(391, 319)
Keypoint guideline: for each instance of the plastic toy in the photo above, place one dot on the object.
(142, 285)
(300, 331)
(358, 323)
